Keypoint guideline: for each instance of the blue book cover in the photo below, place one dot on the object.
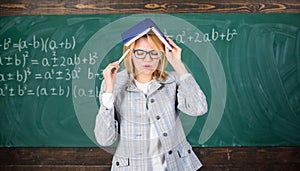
(142, 28)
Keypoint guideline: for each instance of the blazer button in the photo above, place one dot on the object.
(117, 163)
(189, 151)
(157, 117)
(152, 100)
(170, 152)
(165, 134)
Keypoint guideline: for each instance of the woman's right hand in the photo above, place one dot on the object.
(109, 75)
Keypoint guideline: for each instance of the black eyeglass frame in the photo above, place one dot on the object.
(148, 53)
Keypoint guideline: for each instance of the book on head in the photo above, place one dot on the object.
(146, 26)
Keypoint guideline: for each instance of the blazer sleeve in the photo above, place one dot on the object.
(191, 99)
(106, 126)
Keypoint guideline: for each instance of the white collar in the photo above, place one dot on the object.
(144, 87)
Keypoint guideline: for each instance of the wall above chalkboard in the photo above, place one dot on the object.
(247, 65)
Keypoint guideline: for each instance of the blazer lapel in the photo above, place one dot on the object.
(156, 84)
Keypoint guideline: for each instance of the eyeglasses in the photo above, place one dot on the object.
(141, 54)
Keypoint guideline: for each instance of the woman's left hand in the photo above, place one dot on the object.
(174, 57)
(175, 54)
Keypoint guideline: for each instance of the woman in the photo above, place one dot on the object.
(139, 106)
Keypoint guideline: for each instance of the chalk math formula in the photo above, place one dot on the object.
(43, 66)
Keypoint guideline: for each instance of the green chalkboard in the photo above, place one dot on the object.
(248, 65)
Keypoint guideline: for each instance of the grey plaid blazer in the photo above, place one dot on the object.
(128, 121)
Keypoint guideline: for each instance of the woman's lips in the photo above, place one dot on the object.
(147, 66)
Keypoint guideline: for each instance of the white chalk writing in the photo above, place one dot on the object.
(42, 66)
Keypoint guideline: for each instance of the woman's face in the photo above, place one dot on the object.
(147, 65)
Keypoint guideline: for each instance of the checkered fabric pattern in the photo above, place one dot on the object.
(129, 121)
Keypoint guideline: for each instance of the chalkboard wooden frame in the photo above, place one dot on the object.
(36, 7)
(213, 158)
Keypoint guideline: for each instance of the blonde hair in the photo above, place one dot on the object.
(154, 41)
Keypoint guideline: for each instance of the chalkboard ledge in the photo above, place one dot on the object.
(213, 158)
